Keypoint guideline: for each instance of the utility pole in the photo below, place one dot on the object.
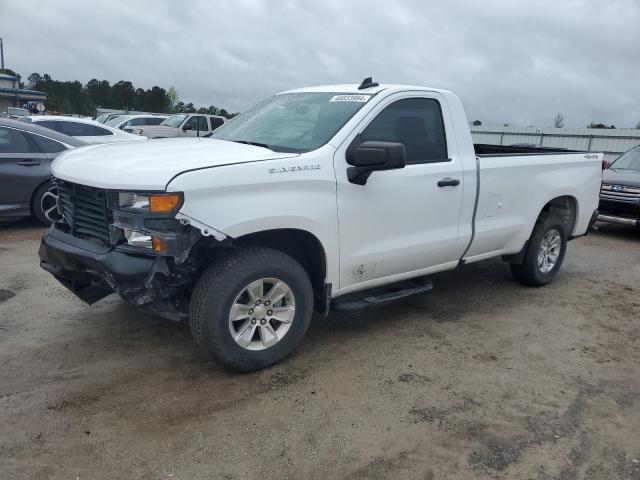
(1, 55)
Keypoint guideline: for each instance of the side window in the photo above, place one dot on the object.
(74, 129)
(191, 122)
(415, 122)
(52, 124)
(215, 122)
(98, 131)
(15, 141)
(154, 121)
(78, 129)
(48, 145)
(198, 123)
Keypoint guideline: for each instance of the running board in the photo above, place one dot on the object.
(365, 299)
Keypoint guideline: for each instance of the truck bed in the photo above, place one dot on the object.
(486, 150)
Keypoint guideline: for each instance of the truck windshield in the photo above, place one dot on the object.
(174, 120)
(628, 161)
(293, 122)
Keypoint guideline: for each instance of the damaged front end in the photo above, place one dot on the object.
(130, 243)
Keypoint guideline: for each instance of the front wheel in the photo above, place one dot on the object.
(251, 308)
(544, 252)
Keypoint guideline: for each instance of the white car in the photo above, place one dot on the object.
(83, 129)
(310, 199)
(182, 125)
(129, 122)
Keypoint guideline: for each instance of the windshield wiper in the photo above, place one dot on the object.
(256, 144)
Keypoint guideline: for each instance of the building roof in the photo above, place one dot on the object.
(23, 91)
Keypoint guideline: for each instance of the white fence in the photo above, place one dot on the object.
(612, 142)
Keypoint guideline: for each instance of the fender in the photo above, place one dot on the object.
(239, 199)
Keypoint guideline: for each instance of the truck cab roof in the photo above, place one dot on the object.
(355, 89)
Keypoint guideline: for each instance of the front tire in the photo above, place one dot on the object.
(250, 309)
(544, 253)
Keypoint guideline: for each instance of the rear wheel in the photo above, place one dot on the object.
(544, 253)
(250, 309)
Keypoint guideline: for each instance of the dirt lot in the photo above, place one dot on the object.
(481, 378)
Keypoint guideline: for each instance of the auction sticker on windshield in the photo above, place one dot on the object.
(350, 98)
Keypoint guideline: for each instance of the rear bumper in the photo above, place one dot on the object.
(92, 272)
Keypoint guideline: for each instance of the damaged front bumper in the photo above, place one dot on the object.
(93, 271)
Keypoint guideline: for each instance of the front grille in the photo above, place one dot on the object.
(84, 209)
(620, 193)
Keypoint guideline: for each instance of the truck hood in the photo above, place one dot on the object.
(627, 178)
(151, 165)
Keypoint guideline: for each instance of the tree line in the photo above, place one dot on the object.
(71, 96)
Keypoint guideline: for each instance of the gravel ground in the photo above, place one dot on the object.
(482, 378)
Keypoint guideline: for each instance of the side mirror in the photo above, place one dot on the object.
(187, 127)
(367, 157)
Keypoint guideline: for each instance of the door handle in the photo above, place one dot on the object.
(29, 163)
(448, 182)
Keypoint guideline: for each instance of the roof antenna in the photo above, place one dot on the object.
(368, 83)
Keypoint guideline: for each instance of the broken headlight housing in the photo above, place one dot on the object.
(146, 221)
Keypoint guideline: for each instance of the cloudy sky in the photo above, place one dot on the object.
(511, 61)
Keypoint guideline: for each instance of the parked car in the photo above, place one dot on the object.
(105, 117)
(620, 193)
(182, 125)
(83, 129)
(307, 200)
(26, 153)
(16, 112)
(129, 122)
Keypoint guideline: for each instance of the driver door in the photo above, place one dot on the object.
(401, 223)
(194, 126)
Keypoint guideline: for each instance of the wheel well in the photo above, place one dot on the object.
(301, 245)
(566, 207)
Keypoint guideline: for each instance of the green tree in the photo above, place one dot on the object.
(172, 99)
(600, 125)
(73, 97)
(558, 121)
(33, 79)
(124, 95)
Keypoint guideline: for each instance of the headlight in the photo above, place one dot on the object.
(149, 202)
(142, 239)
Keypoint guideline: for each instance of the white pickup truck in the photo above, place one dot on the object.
(339, 196)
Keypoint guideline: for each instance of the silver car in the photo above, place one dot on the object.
(26, 153)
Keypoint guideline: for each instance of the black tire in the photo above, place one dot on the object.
(36, 203)
(529, 272)
(218, 288)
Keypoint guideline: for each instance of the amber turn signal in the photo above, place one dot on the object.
(163, 203)
(158, 244)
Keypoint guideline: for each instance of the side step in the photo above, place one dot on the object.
(381, 295)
